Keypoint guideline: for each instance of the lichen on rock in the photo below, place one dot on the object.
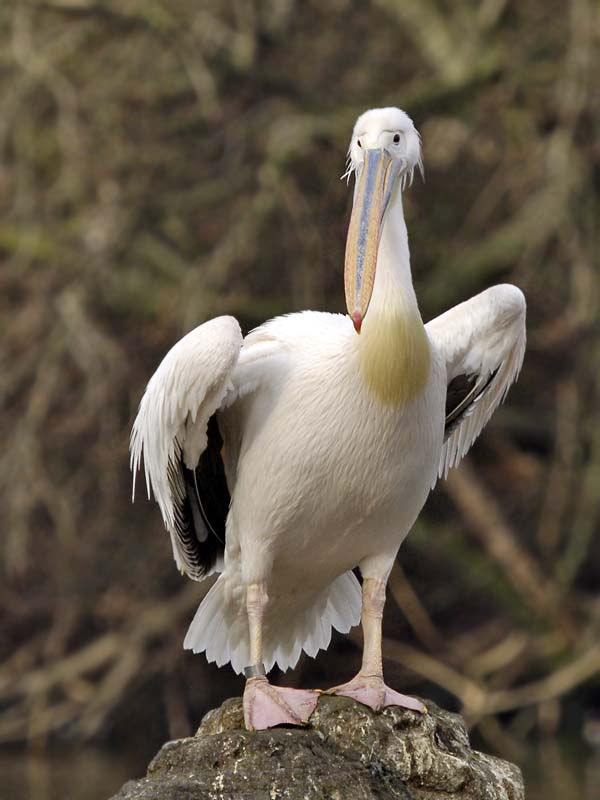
(348, 752)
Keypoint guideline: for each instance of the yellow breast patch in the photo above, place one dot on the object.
(395, 357)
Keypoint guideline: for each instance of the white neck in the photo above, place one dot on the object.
(393, 291)
(393, 346)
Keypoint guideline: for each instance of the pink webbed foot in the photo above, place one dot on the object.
(266, 706)
(370, 690)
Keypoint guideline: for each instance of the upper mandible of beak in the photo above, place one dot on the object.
(371, 198)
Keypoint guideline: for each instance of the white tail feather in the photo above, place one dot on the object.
(220, 626)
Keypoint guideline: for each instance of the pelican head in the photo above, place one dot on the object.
(384, 150)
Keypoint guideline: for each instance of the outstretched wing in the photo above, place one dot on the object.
(177, 435)
(483, 343)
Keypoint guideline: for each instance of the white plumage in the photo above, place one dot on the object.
(482, 336)
(190, 384)
(330, 440)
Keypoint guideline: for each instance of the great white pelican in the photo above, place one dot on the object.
(285, 459)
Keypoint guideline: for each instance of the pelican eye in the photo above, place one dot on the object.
(396, 138)
(358, 143)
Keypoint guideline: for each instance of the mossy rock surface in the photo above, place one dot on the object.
(347, 752)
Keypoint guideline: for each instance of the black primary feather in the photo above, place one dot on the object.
(201, 501)
(462, 393)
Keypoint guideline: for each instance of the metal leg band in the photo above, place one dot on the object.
(255, 671)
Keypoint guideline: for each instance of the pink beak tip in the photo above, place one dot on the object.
(357, 321)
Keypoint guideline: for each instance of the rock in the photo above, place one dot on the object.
(347, 752)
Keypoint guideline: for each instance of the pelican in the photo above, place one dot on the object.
(288, 458)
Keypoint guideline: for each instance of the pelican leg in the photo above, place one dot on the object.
(368, 686)
(266, 706)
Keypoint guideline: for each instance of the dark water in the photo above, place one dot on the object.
(561, 771)
(552, 772)
(81, 774)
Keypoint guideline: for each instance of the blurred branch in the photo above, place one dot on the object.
(557, 684)
(485, 518)
(108, 664)
(450, 52)
(414, 611)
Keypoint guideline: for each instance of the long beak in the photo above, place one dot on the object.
(371, 198)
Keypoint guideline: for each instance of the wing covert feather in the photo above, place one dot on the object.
(483, 344)
(170, 429)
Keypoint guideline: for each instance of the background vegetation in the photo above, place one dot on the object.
(165, 162)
